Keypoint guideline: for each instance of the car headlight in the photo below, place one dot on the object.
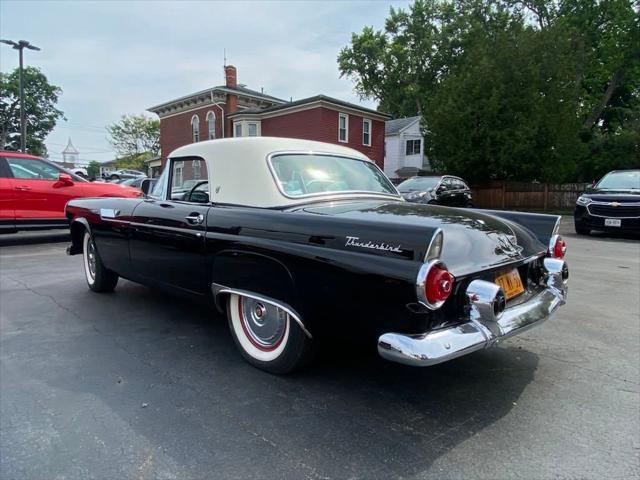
(584, 201)
(415, 195)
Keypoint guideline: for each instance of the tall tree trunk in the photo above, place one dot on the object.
(614, 83)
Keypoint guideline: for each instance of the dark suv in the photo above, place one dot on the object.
(440, 190)
(612, 204)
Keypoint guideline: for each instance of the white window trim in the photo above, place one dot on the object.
(370, 123)
(410, 139)
(195, 163)
(195, 122)
(346, 127)
(255, 124)
(178, 171)
(244, 127)
(210, 114)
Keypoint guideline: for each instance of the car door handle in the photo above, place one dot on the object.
(194, 218)
(23, 188)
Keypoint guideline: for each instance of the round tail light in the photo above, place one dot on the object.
(557, 247)
(438, 285)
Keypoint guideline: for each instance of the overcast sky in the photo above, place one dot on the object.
(115, 57)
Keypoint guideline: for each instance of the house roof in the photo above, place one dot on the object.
(241, 90)
(304, 101)
(391, 127)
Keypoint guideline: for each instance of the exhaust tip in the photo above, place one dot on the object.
(487, 300)
(499, 303)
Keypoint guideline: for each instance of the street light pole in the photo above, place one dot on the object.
(20, 46)
(23, 116)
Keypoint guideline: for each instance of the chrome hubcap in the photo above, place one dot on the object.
(264, 323)
(91, 258)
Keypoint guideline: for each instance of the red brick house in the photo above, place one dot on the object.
(234, 110)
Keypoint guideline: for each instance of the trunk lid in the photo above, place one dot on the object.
(473, 240)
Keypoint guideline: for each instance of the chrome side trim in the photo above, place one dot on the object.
(218, 289)
(192, 231)
(481, 330)
(438, 233)
(556, 228)
(116, 220)
(109, 213)
(552, 244)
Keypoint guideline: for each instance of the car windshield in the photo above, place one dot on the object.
(418, 183)
(312, 174)
(621, 181)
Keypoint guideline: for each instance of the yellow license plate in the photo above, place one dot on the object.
(510, 283)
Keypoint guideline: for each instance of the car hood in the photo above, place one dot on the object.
(605, 195)
(102, 189)
(473, 240)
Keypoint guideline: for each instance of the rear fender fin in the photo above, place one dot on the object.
(543, 226)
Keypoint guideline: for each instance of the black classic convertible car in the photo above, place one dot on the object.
(302, 242)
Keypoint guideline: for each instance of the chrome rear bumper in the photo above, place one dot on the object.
(486, 325)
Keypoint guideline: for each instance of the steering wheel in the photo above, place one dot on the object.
(326, 183)
(297, 176)
(188, 196)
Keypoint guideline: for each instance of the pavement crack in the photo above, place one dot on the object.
(308, 471)
(50, 297)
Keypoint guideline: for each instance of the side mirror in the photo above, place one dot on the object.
(440, 189)
(65, 180)
(147, 185)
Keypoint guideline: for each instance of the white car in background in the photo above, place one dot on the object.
(79, 171)
(120, 174)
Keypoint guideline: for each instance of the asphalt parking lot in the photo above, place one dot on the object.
(137, 384)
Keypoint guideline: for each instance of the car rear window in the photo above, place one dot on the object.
(300, 175)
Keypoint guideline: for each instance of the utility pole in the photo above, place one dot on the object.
(20, 46)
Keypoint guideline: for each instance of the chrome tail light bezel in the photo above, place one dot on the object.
(552, 246)
(432, 260)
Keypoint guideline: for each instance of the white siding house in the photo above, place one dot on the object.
(404, 147)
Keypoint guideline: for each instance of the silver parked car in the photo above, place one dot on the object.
(120, 174)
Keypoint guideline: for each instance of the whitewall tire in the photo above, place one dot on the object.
(266, 335)
(98, 277)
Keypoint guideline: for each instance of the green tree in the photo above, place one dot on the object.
(403, 65)
(93, 169)
(605, 38)
(135, 135)
(530, 89)
(134, 162)
(508, 115)
(41, 99)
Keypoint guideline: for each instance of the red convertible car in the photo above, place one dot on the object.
(34, 192)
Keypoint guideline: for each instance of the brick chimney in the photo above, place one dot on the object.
(230, 76)
(231, 81)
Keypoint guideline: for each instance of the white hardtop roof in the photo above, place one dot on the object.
(239, 172)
